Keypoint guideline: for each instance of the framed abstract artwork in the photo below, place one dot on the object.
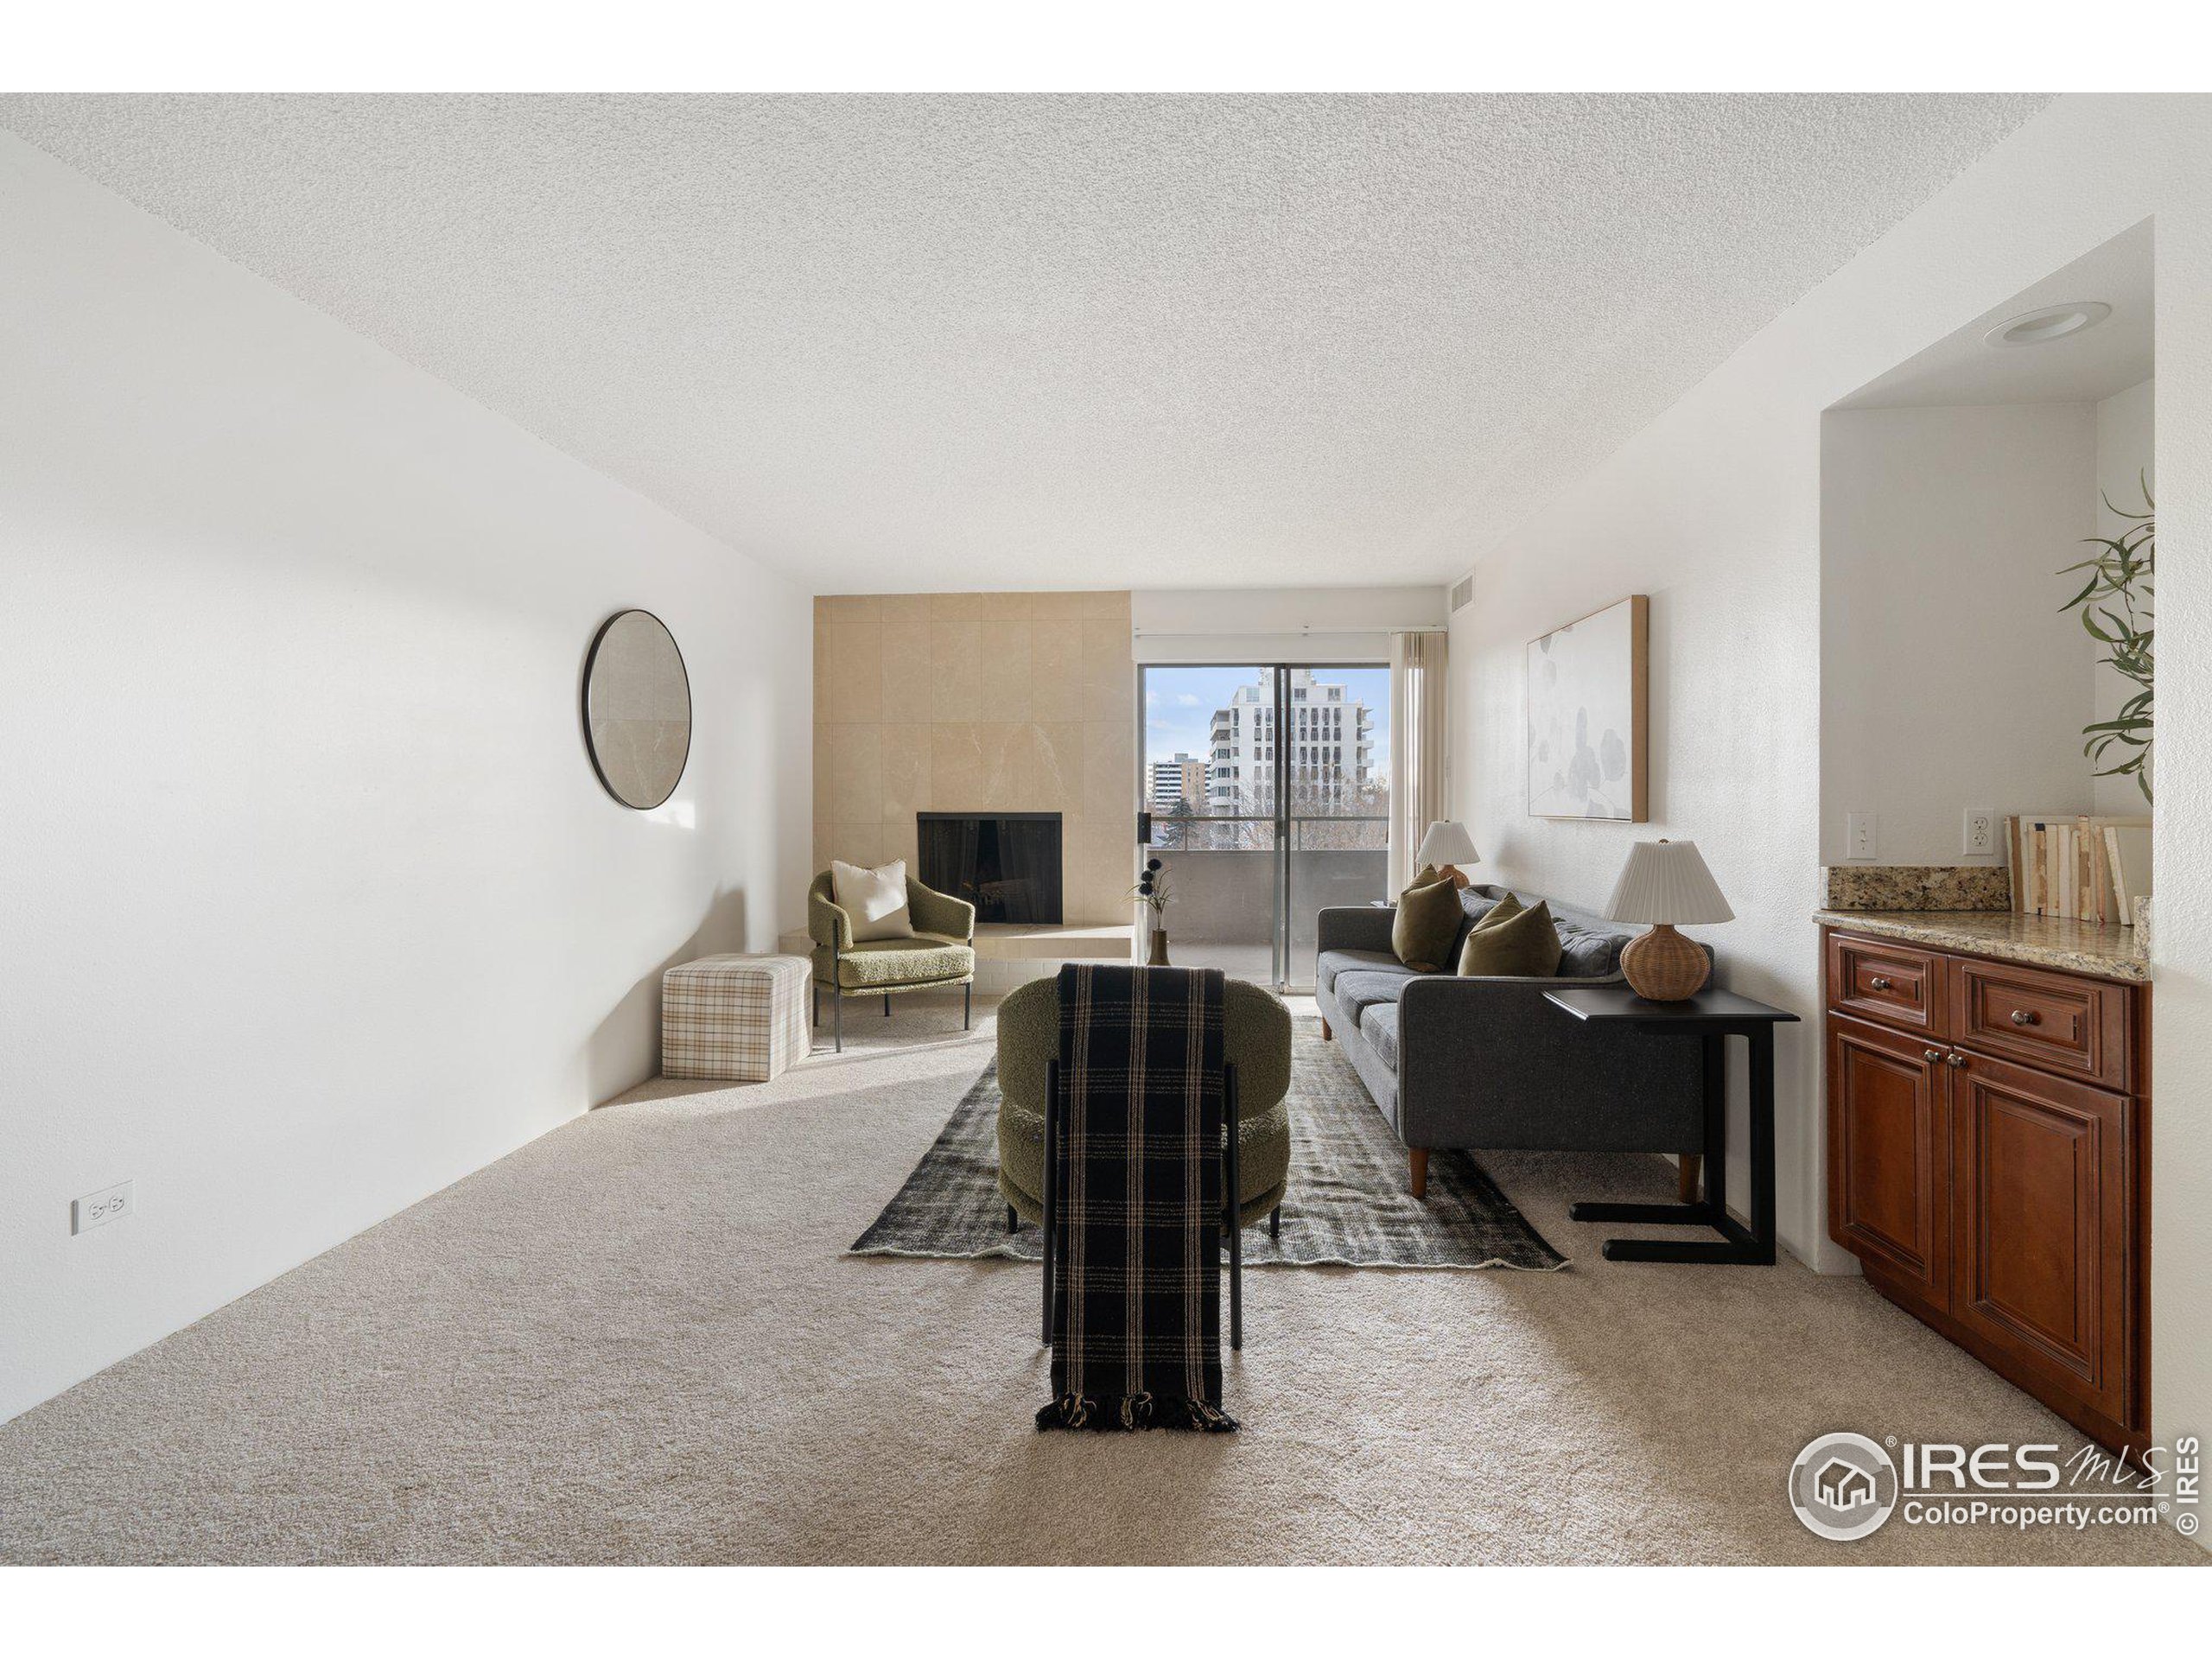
(1587, 716)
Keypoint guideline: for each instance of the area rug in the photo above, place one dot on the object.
(1348, 1203)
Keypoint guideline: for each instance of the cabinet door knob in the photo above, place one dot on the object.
(1954, 1059)
(1880, 983)
(2026, 1017)
(1932, 1053)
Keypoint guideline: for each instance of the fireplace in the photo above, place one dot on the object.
(1006, 864)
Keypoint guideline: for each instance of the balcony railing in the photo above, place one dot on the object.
(1226, 832)
(1224, 894)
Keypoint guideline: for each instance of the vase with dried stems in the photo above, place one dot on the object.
(1152, 891)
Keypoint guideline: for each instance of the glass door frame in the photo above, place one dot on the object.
(1282, 818)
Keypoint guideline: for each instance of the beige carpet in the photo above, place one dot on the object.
(635, 1340)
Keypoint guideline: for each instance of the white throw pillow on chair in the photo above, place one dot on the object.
(876, 899)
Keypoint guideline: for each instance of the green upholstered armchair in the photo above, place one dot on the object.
(940, 954)
(1255, 1039)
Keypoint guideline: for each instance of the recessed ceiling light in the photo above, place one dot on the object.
(2052, 323)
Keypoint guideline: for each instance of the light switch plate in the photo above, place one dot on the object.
(1859, 834)
(1979, 834)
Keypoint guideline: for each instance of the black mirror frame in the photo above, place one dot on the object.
(583, 707)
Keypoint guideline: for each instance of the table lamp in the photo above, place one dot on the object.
(1665, 883)
(1446, 846)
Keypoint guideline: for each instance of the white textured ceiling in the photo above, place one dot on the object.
(939, 342)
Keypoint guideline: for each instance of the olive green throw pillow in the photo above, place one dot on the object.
(1520, 943)
(1504, 911)
(1427, 921)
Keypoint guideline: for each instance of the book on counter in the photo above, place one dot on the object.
(2088, 866)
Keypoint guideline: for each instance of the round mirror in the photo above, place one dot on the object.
(637, 708)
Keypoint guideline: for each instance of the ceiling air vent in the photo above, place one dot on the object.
(1463, 590)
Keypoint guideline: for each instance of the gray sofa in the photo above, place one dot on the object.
(1488, 1063)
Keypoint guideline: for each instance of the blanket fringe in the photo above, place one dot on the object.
(1125, 1414)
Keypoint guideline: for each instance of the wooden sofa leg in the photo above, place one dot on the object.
(1686, 1177)
(1419, 1160)
(1326, 1034)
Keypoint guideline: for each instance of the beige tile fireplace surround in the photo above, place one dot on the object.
(964, 702)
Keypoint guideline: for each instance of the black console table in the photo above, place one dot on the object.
(1712, 1016)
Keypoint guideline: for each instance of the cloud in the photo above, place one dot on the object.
(1186, 700)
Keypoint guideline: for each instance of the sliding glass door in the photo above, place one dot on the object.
(1266, 792)
(1336, 836)
(1206, 791)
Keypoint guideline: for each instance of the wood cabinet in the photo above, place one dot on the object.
(1889, 1152)
(2039, 1172)
(1988, 1146)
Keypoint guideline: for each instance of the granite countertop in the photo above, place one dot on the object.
(2076, 947)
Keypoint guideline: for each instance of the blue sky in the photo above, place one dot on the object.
(1180, 703)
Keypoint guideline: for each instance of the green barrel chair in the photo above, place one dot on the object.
(940, 954)
(1255, 1041)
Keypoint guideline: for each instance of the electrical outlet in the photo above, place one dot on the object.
(97, 1209)
(1858, 833)
(1981, 833)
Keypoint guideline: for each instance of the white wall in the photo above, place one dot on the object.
(1941, 533)
(1714, 511)
(2125, 461)
(311, 903)
(1276, 625)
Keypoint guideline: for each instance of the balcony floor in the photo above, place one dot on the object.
(1255, 962)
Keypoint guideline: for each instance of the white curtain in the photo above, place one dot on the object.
(1417, 781)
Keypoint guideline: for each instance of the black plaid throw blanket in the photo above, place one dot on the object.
(1136, 1324)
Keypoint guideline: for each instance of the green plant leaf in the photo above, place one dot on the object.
(2116, 603)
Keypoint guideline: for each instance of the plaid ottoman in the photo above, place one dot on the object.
(740, 1018)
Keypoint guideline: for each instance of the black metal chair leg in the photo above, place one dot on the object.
(1274, 1222)
(1012, 1220)
(1052, 1181)
(886, 1004)
(1233, 1212)
(837, 1018)
(967, 1004)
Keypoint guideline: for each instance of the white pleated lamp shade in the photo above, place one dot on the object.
(1667, 881)
(1446, 842)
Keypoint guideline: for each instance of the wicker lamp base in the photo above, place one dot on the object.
(1661, 966)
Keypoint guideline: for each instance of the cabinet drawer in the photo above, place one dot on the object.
(2060, 1022)
(1893, 983)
